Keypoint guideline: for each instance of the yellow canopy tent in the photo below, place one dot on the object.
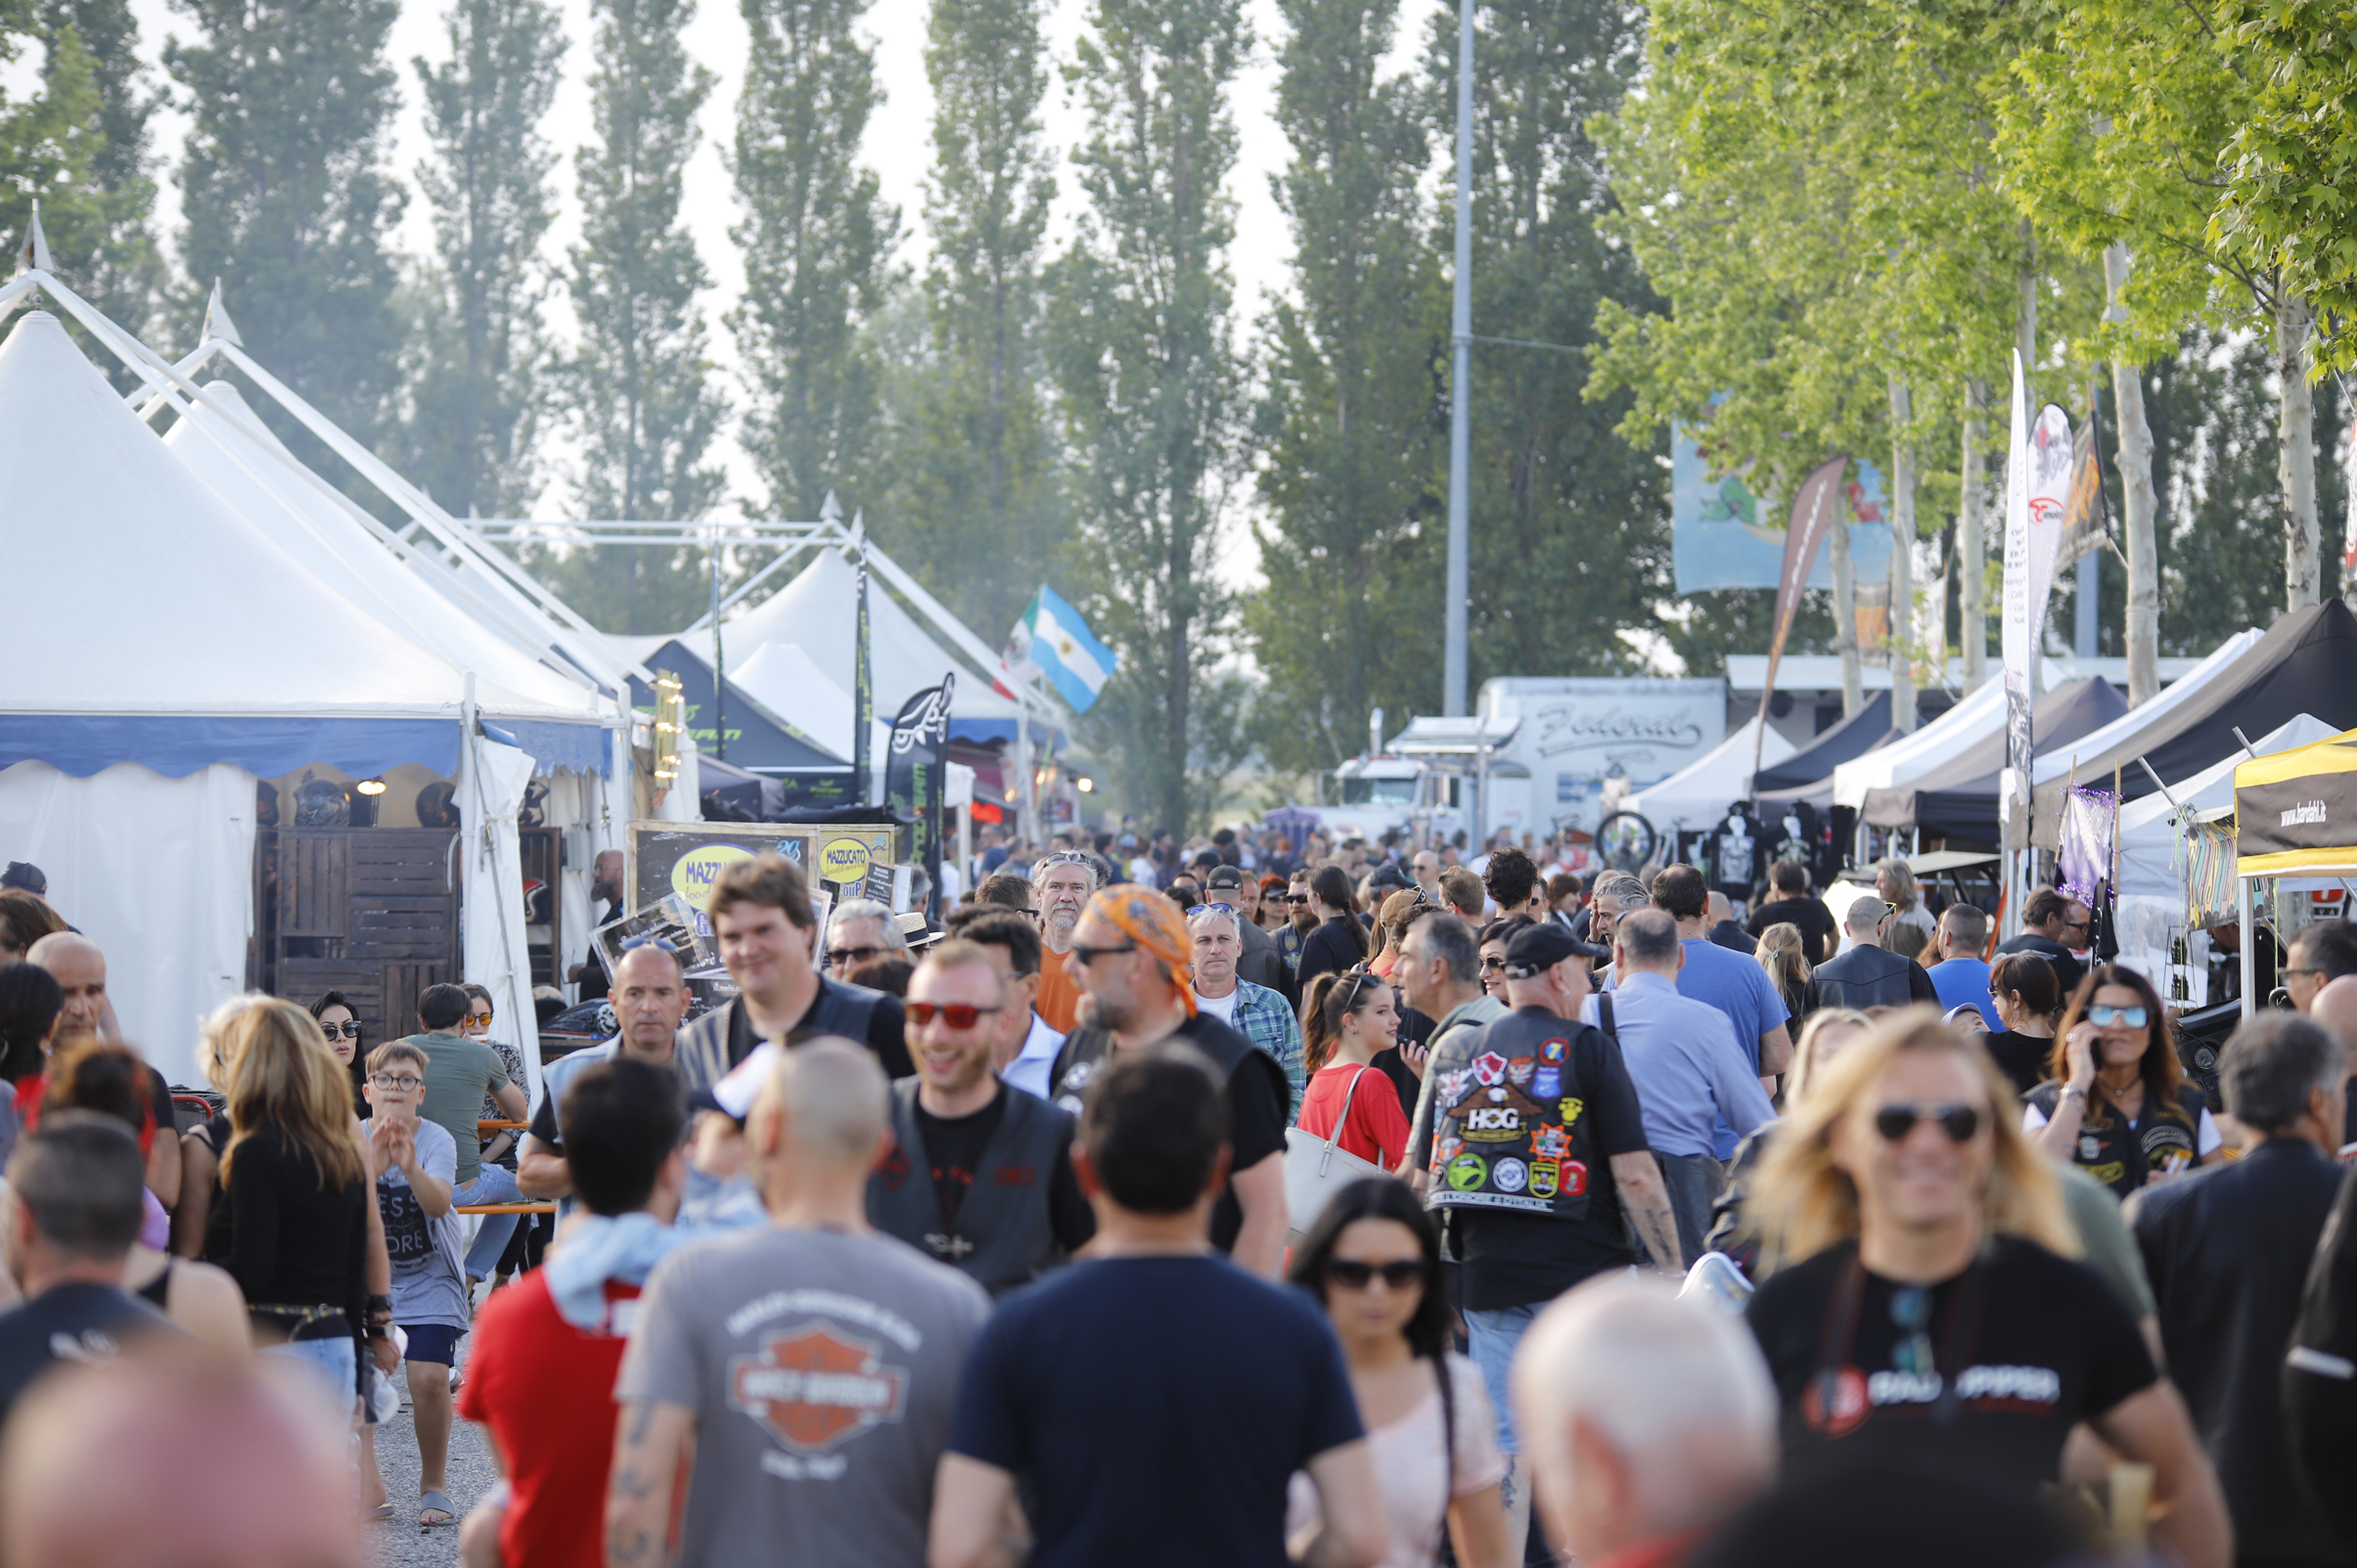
(2295, 815)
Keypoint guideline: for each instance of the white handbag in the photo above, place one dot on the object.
(1316, 1168)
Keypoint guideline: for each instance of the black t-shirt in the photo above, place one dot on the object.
(1514, 1258)
(77, 1321)
(1330, 947)
(953, 1144)
(2021, 1058)
(2067, 966)
(1815, 921)
(1864, 1366)
(1257, 1102)
(1151, 1410)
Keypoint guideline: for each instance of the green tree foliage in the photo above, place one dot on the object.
(975, 510)
(479, 390)
(640, 386)
(1351, 425)
(117, 266)
(1569, 538)
(49, 143)
(816, 238)
(1150, 389)
(286, 199)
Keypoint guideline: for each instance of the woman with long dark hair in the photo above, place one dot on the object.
(2026, 996)
(1339, 941)
(1372, 1260)
(341, 1025)
(1346, 1019)
(31, 1001)
(2118, 1104)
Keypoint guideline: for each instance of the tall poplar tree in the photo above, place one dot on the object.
(1569, 535)
(118, 267)
(1352, 424)
(480, 391)
(975, 511)
(641, 387)
(286, 196)
(816, 238)
(1151, 389)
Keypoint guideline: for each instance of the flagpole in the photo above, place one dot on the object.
(863, 687)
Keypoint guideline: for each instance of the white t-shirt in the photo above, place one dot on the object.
(1141, 870)
(1224, 1010)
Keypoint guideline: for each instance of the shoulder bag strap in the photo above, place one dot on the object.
(1448, 1449)
(1603, 1015)
(1345, 1116)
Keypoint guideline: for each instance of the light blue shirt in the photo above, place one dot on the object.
(1029, 1069)
(1692, 1074)
(1962, 980)
(1738, 988)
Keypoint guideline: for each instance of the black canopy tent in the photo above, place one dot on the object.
(1958, 799)
(758, 741)
(1809, 771)
(2306, 663)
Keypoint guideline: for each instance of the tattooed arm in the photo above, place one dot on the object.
(1646, 1196)
(652, 1442)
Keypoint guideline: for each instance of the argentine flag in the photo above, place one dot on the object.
(1051, 640)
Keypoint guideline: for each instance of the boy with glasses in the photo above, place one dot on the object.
(415, 1164)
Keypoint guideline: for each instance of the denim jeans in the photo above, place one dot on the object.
(493, 1184)
(332, 1367)
(1492, 1335)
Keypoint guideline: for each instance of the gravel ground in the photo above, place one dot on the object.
(399, 1543)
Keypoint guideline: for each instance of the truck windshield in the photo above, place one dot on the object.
(1378, 791)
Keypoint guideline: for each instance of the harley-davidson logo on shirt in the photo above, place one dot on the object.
(816, 1387)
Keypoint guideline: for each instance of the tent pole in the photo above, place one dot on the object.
(2246, 959)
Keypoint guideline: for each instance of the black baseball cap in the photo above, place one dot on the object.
(1224, 877)
(1535, 948)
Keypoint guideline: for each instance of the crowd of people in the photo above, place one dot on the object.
(1214, 1205)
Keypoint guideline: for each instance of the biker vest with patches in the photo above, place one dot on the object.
(1509, 1128)
(2121, 1156)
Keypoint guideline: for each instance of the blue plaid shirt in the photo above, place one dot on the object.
(1263, 1018)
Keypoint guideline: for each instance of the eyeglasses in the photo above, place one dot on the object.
(350, 1029)
(402, 1083)
(956, 1014)
(2302, 969)
(1960, 1122)
(839, 956)
(1089, 955)
(1352, 1275)
(661, 944)
(2103, 1017)
(479, 1017)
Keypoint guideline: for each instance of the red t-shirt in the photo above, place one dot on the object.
(546, 1391)
(1377, 1129)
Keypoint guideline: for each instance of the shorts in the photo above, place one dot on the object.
(433, 1342)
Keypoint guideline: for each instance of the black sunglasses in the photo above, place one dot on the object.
(1089, 955)
(851, 955)
(350, 1029)
(1352, 1275)
(1960, 1122)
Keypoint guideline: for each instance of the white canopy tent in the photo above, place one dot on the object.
(1702, 791)
(1979, 715)
(167, 658)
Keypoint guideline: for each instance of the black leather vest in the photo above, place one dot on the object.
(1001, 1236)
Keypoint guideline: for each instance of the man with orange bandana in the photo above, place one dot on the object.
(1131, 958)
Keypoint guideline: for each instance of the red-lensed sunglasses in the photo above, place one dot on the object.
(956, 1014)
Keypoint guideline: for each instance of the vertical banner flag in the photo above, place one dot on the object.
(863, 688)
(2037, 492)
(1816, 510)
(2087, 513)
(1052, 641)
(916, 778)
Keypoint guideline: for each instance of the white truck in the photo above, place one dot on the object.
(1540, 754)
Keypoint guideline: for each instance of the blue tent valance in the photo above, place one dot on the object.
(268, 747)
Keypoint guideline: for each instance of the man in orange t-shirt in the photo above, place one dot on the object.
(547, 1348)
(1061, 884)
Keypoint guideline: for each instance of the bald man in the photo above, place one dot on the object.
(182, 1458)
(2334, 1006)
(1647, 1419)
(811, 1365)
(80, 968)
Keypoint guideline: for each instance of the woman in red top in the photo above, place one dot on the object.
(1345, 1019)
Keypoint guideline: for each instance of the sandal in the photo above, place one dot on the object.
(379, 1515)
(431, 1502)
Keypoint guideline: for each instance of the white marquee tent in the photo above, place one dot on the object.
(1977, 716)
(1702, 791)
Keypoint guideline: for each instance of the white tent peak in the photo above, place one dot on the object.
(831, 509)
(216, 321)
(34, 257)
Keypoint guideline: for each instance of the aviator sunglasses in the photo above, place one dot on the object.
(1960, 1122)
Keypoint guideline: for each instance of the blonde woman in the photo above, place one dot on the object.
(1783, 953)
(297, 1189)
(1930, 1312)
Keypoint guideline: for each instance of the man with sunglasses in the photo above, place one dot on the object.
(2055, 926)
(1132, 955)
(1300, 918)
(979, 1175)
(860, 930)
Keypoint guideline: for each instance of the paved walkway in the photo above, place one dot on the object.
(399, 1543)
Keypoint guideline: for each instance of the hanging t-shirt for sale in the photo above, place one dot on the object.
(823, 1368)
(429, 1269)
